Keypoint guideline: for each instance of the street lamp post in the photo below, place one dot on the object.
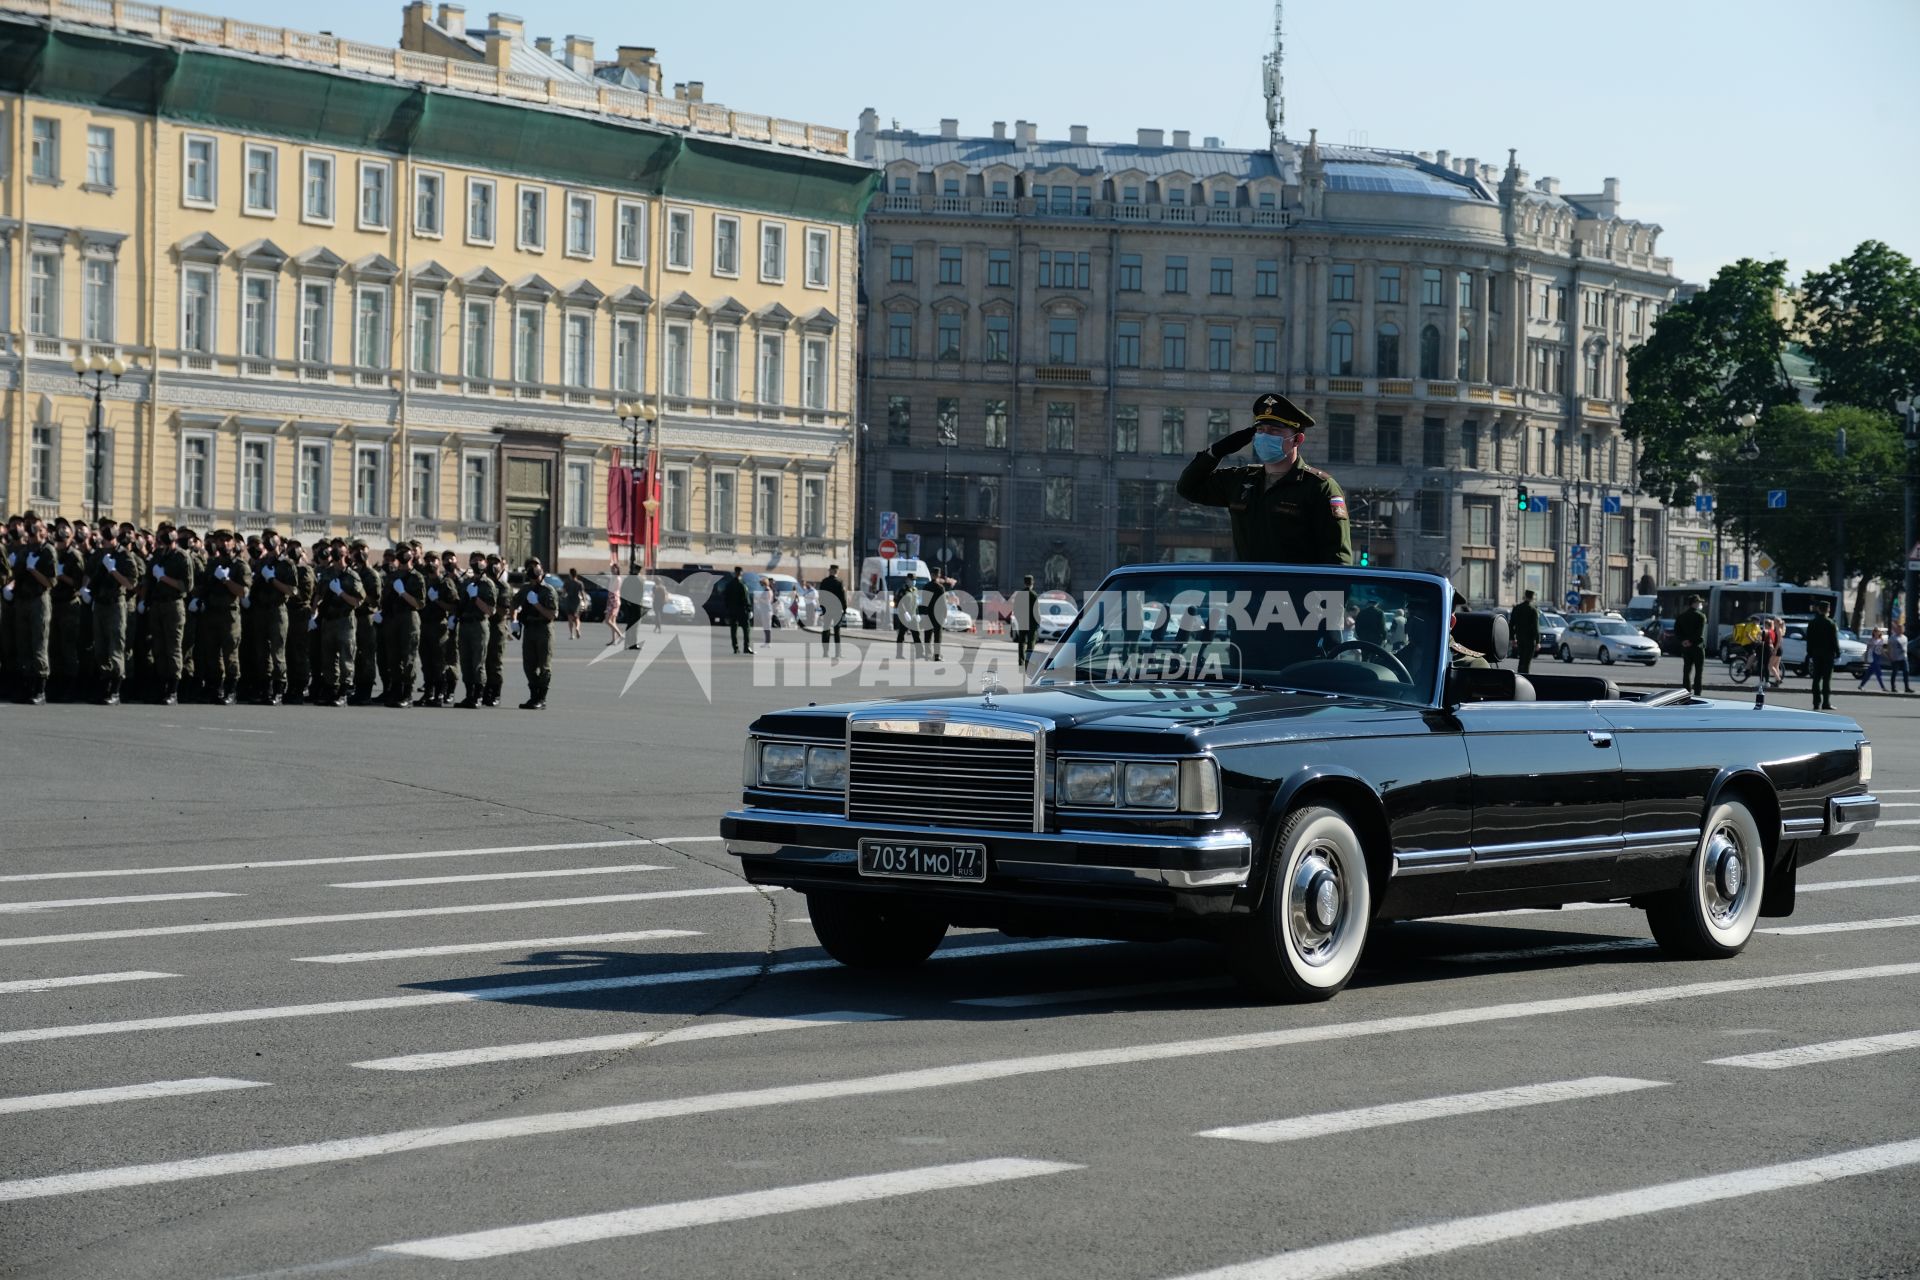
(1909, 538)
(93, 374)
(632, 415)
(1749, 454)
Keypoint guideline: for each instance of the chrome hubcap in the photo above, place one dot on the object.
(1316, 904)
(1725, 871)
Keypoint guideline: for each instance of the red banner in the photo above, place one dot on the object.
(621, 503)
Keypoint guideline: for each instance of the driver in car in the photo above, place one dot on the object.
(1282, 510)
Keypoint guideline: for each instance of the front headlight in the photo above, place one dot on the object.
(783, 764)
(1154, 785)
(827, 768)
(1087, 782)
(1866, 763)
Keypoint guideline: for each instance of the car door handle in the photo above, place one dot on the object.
(1599, 737)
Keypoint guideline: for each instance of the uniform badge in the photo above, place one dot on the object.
(1339, 506)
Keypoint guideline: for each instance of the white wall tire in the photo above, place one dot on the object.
(1712, 913)
(1305, 940)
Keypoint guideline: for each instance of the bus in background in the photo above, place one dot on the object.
(1727, 604)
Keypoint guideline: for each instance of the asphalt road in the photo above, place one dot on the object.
(313, 991)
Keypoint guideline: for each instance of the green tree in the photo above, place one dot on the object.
(1709, 360)
(1862, 320)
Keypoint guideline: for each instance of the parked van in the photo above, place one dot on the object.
(1728, 604)
(880, 580)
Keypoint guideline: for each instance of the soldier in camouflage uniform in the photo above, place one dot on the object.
(339, 595)
(477, 605)
(33, 574)
(433, 632)
(497, 629)
(366, 653)
(68, 609)
(406, 592)
(274, 584)
(228, 584)
(538, 605)
(303, 635)
(169, 584)
(113, 575)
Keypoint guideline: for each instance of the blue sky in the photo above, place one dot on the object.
(1746, 128)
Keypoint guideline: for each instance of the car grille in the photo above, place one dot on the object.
(920, 778)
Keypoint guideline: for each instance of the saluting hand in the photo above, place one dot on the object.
(1231, 444)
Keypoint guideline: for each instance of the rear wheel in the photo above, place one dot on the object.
(1711, 914)
(865, 931)
(1304, 941)
(1738, 669)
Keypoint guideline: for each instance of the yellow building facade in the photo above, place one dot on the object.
(385, 293)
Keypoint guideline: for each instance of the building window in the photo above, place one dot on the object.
(478, 363)
(1479, 523)
(429, 216)
(1126, 428)
(1595, 387)
(196, 309)
(255, 468)
(1464, 342)
(260, 171)
(1430, 283)
(1220, 348)
(1340, 434)
(1433, 442)
(1220, 276)
(946, 336)
(1173, 430)
(813, 374)
(1057, 497)
(900, 335)
(1586, 455)
(995, 422)
(1433, 513)
(373, 195)
(1463, 290)
(1059, 426)
(43, 476)
(726, 245)
(316, 307)
(1340, 348)
(1386, 440)
(579, 224)
(577, 358)
(999, 340)
(1065, 271)
(476, 488)
(529, 324)
(773, 252)
(256, 317)
(196, 471)
(99, 158)
(579, 494)
(1266, 278)
(369, 480)
(629, 354)
(480, 211)
(630, 232)
(1063, 340)
(310, 482)
(1387, 284)
(45, 158)
(1386, 352)
(899, 420)
(772, 385)
(1340, 283)
(818, 247)
(1533, 530)
(726, 364)
(1266, 350)
(725, 503)
(425, 347)
(96, 300)
(1430, 352)
(1613, 462)
(1128, 279)
(1219, 425)
(1560, 302)
(813, 507)
(1126, 344)
(680, 239)
(1176, 281)
(530, 223)
(370, 328)
(999, 268)
(674, 513)
(423, 487)
(197, 178)
(679, 360)
(952, 266)
(316, 187)
(946, 420)
(1173, 346)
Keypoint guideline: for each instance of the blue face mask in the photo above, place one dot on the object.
(1268, 448)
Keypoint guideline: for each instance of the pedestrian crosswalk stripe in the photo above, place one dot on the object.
(348, 917)
(124, 1093)
(1829, 1051)
(1885, 848)
(1458, 1104)
(56, 904)
(1878, 882)
(497, 875)
(617, 1042)
(963, 1073)
(1845, 926)
(1430, 1239)
(96, 874)
(79, 980)
(516, 944)
(558, 1232)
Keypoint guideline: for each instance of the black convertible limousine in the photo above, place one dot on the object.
(1281, 758)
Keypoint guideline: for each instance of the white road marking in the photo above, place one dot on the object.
(1900, 822)
(1830, 1051)
(1458, 1104)
(524, 991)
(54, 904)
(1432, 1239)
(125, 1093)
(964, 1073)
(689, 839)
(1876, 883)
(320, 862)
(1896, 791)
(1092, 994)
(622, 1223)
(1845, 926)
(614, 1043)
(1561, 949)
(497, 875)
(79, 980)
(1885, 848)
(471, 948)
(1900, 804)
(405, 913)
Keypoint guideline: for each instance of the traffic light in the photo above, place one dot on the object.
(1366, 558)
(1522, 502)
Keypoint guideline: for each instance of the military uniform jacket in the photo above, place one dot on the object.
(733, 593)
(334, 606)
(179, 566)
(475, 590)
(369, 588)
(1526, 628)
(302, 598)
(1300, 519)
(69, 565)
(25, 585)
(434, 601)
(1823, 639)
(411, 581)
(100, 579)
(265, 594)
(536, 593)
(502, 604)
(1691, 625)
(218, 598)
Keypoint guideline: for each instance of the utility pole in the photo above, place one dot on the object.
(1837, 571)
(1275, 84)
(1910, 538)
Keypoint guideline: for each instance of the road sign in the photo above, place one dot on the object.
(1609, 506)
(1579, 557)
(1776, 499)
(1573, 599)
(1731, 572)
(889, 548)
(1706, 546)
(1537, 504)
(913, 546)
(889, 524)
(1703, 502)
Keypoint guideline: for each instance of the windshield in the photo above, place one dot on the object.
(1616, 629)
(1553, 620)
(1326, 632)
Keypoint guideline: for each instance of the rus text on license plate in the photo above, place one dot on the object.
(917, 860)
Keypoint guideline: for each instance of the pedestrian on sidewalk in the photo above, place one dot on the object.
(1876, 660)
(1898, 671)
(1823, 647)
(1690, 630)
(573, 598)
(614, 632)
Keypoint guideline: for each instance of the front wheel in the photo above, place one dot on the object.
(1738, 669)
(865, 931)
(1566, 654)
(1711, 914)
(1304, 941)
(1606, 656)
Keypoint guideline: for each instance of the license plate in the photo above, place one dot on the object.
(916, 860)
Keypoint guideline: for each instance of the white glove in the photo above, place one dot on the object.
(86, 595)
(139, 606)
(516, 630)
(13, 557)
(220, 572)
(193, 606)
(246, 602)
(6, 592)
(313, 624)
(376, 615)
(266, 571)
(533, 597)
(159, 572)
(473, 591)
(433, 593)
(32, 560)
(333, 585)
(452, 623)
(107, 563)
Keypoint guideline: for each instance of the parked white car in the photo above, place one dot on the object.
(1793, 650)
(673, 607)
(1052, 616)
(1610, 640)
(954, 618)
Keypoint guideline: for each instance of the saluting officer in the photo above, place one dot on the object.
(275, 581)
(406, 593)
(113, 574)
(1281, 508)
(477, 602)
(166, 593)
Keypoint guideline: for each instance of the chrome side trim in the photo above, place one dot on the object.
(1528, 852)
(1790, 828)
(1850, 815)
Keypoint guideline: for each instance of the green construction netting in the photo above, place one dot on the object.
(771, 181)
(287, 102)
(542, 144)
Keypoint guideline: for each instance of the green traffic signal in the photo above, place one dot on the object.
(1366, 559)
(1522, 503)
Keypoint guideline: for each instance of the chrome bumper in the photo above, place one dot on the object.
(1850, 815)
(1220, 860)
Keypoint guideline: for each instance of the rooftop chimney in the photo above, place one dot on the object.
(1078, 134)
(696, 91)
(453, 19)
(1026, 132)
(1150, 138)
(503, 32)
(580, 54)
(1428, 156)
(949, 127)
(1442, 158)
(413, 21)
(508, 24)
(1182, 138)
(1213, 144)
(544, 44)
(1549, 185)
(680, 93)
(1000, 130)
